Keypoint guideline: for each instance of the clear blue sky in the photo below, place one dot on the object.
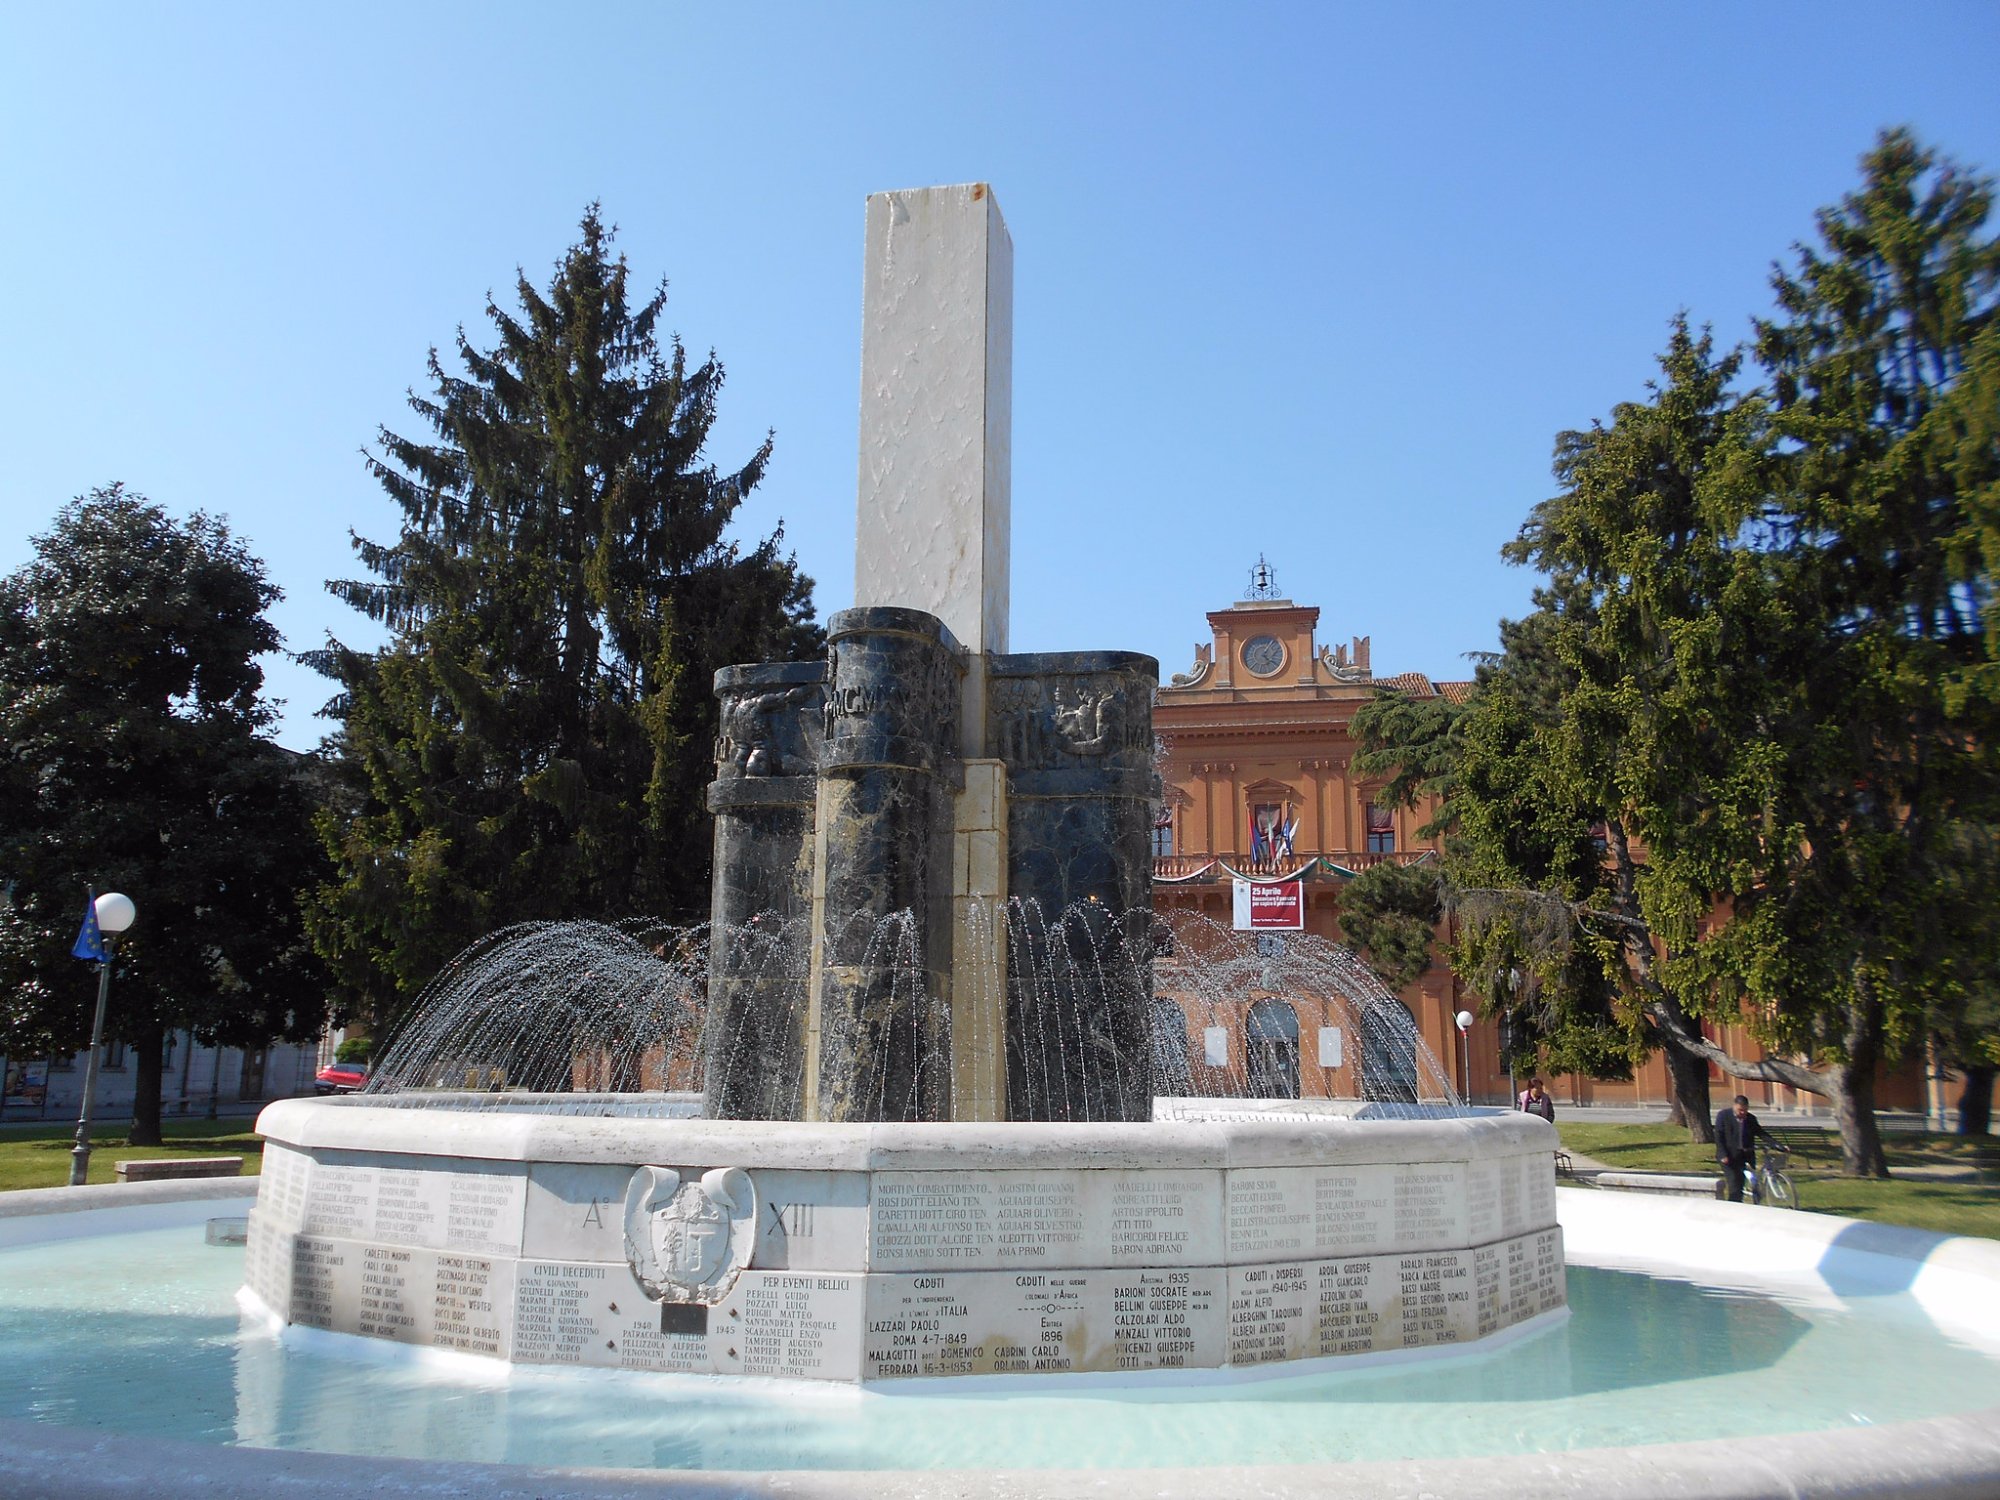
(1318, 281)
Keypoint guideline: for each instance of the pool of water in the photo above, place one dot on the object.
(140, 1334)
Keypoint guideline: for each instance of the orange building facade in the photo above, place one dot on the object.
(1259, 780)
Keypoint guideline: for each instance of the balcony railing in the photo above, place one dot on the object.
(1183, 866)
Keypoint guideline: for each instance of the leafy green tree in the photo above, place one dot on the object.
(533, 741)
(1761, 673)
(132, 716)
(1390, 912)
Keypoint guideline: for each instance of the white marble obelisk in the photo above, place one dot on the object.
(932, 525)
(932, 532)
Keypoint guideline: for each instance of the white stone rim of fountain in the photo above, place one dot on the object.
(1937, 1457)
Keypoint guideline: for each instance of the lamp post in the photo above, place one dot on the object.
(1464, 1019)
(114, 913)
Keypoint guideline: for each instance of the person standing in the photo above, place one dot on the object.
(1536, 1101)
(1736, 1135)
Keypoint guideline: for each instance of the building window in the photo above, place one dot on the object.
(1381, 830)
(114, 1054)
(1163, 836)
(1272, 825)
(1271, 1053)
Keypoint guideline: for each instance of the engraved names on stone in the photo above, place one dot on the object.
(1041, 1322)
(1301, 1212)
(805, 1326)
(393, 1201)
(281, 1192)
(994, 1220)
(388, 1307)
(324, 1282)
(1429, 1205)
(466, 1306)
(566, 1314)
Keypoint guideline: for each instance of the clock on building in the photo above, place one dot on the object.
(1263, 655)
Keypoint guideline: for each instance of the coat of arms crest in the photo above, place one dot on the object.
(688, 1237)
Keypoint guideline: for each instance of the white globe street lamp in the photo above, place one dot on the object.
(1464, 1019)
(114, 914)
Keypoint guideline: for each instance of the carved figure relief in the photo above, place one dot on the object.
(687, 1239)
(1044, 723)
(770, 733)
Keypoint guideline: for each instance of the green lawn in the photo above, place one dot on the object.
(37, 1156)
(1946, 1207)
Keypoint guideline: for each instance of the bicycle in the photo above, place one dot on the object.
(1770, 1178)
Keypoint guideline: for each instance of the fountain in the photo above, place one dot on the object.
(927, 1146)
(926, 1154)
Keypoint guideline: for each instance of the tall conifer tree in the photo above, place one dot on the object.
(534, 740)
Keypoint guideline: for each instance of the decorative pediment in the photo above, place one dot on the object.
(1268, 790)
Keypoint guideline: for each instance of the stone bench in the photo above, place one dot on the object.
(1692, 1185)
(180, 1166)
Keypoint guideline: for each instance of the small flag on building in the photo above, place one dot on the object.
(89, 941)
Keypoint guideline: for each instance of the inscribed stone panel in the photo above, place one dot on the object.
(1302, 1212)
(472, 1303)
(1482, 1198)
(267, 1261)
(575, 1212)
(325, 1282)
(1429, 1210)
(1155, 1218)
(571, 1314)
(1357, 1306)
(803, 1326)
(1268, 1316)
(920, 1220)
(1437, 1290)
(281, 1186)
(1056, 1322)
(811, 1221)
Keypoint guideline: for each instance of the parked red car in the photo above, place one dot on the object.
(340, 1078)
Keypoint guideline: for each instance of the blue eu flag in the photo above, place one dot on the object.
(89, 941)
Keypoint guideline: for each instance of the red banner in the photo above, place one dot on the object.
(1270, 905)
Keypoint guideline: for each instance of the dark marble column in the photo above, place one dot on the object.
(767, 759)
(883, 834)
(1076, 732)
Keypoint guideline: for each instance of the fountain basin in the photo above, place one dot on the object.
(1951, 1280)
(886, 1252)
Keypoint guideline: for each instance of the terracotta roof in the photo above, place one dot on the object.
(1414, 683)
(1455, 692)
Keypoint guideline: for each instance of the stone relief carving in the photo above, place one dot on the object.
(1196, 675)
(1047, 722)
(688, 1238)
(770, 733)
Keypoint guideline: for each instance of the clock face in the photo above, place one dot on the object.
(1263, 655)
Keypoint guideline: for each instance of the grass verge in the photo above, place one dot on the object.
(37, 1156)
(1947, 1207)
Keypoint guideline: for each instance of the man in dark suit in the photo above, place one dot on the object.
(1736, 1133)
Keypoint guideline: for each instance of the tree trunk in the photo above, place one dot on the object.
(1861, 1152)
(1689, 1075)
(148, 1044)
(1975, 1100)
